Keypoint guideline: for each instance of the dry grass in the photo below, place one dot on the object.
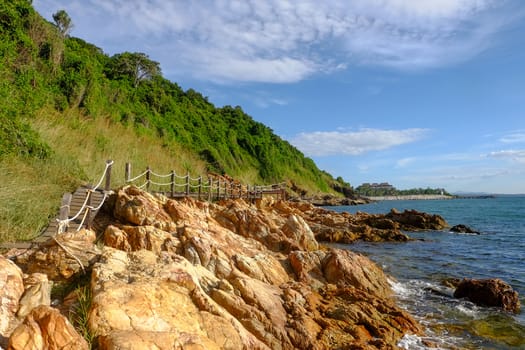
(31, 190)
(30, 196)
(92, 142)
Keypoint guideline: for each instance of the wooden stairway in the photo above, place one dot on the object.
(77, 199)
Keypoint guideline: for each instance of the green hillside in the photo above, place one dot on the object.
(66, 107)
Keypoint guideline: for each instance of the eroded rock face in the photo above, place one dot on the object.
(413, 220)
(232, 275)
(239, 277)
(37, 292)
(69, 254)
(45, 328)
(489, 292)
(11, 289)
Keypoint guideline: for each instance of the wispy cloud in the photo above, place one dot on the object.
(325, 143)
(512, 155)
(517, 136)
(284, 41)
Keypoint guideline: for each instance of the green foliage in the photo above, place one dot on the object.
(60, 97)
(63, 22)
(374, 190)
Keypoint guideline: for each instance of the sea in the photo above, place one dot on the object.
(420, 269)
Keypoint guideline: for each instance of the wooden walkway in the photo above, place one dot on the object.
(81, 207)
(77, 200)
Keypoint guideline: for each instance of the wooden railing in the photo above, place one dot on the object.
(211, 187)
(87, 210)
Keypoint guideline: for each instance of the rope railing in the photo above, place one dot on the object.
(211, 187)
(86, 209)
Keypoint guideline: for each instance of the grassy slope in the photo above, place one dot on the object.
(64, 111)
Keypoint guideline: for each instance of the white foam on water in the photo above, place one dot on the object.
(469, 309)
(410, 341)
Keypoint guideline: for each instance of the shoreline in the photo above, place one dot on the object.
(410, 197)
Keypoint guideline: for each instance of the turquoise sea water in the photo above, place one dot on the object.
(420, 267)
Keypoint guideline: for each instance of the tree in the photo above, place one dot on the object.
(137, 66)
(63, 22)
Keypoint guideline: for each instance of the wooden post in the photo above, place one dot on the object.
(218, 189)
(209, 189)
(89, 212)
(148, 176)
(64, 212)
(128, 172)
(108, 175)
(225, 189)
(200, 187)
(172, 186)
(187, 184)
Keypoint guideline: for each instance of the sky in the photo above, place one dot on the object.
(414, 93)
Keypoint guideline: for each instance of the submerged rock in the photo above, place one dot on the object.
(463, 229)
(413, 220)
(489, 292)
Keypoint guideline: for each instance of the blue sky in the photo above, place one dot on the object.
(415, 93)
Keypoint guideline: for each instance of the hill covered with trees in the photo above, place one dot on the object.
(66, 106)
(385, 189)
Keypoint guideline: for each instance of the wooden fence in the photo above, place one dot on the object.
(211, 187)
(86, 201)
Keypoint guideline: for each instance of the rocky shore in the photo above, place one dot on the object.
(185, 274)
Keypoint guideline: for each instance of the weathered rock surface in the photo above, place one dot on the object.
(235, 276)
(184, 274)
(413, 220)
(37, 292)
(46, 328)
(67, 255)
(11, 289)
(489, 292)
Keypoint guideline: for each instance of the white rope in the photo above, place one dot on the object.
(103, 175)
(69, 253)
(159, 175)
(66, 221)
(195, 179)
(181, 177)
(138, 176)
(143, 185)
(101, 203)
(160, 184)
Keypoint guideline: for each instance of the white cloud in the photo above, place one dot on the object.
(325, 143)
(513, 155)
(285, 41)
(514, 137)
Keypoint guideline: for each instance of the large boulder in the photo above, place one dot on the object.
(45, 328)
(11, 289)
(65, 255)
(133, 238)
(160, 300)
(346, 268)
(37, 292)
(489, 292)
(141, 208)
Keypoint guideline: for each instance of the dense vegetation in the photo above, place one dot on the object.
(370, 190)
(66, 106)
